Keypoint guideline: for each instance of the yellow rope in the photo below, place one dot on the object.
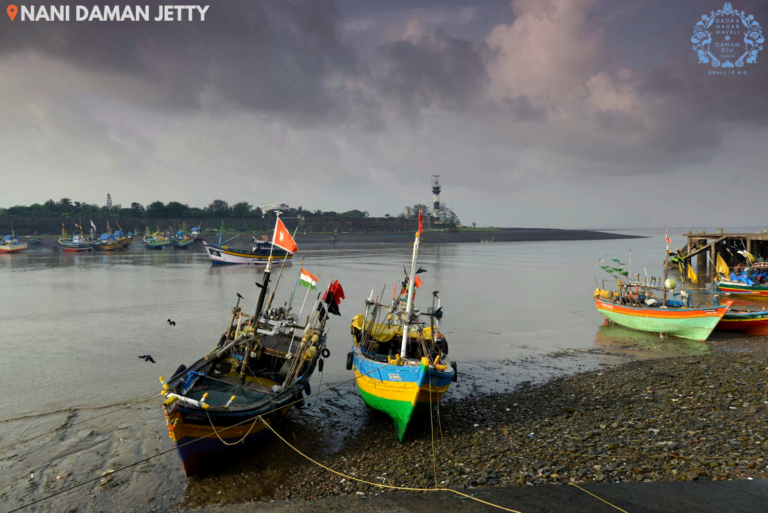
(233, 443)
(431, 426)
(598, 498)
(392, 487)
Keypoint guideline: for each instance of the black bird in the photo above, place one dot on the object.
(421, 270)
(172, 323)
(147, 358)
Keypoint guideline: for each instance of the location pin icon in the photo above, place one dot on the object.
(12, 11)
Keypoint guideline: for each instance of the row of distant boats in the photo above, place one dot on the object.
(660, 306)
(118, 240)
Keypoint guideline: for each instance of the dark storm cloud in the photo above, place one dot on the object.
(268, 56)
(434, 69)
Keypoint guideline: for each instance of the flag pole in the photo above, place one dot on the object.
(290, 346)
(280, 274)
(290, 304)
(409, 304)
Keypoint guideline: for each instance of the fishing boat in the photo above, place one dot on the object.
(11, 244)
(196, 233)
(750, 280)
(78, 243)
(750, 322)
(635, 305)
(258, 254)
(157, 240)
(181, 240)
(259, 369)
(400, 361)
(125, 239)
(108, 241)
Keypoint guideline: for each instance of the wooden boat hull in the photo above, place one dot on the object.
(757, 292)
(195, 433)
(182, 243)
(752, 323)
(691, 323)
(125, 241)
(13, 248)
(399, 391)
(157, 244)
(222, 256)
(110, 246)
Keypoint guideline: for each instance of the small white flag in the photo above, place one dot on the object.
(93, 226)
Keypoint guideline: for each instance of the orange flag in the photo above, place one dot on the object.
(282, 238)
(421, 228)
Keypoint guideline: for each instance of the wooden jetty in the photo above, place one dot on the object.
(706, 246)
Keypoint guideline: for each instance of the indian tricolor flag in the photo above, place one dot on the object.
(307, 279)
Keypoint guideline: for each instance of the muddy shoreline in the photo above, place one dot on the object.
(631, 417)
(690, 418)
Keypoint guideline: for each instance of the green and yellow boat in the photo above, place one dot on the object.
(400, 362)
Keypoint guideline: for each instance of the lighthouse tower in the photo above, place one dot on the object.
(436, 192)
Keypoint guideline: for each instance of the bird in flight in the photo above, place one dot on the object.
(172, 323)
(147, 358)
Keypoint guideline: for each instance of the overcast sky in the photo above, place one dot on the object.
(556, 113)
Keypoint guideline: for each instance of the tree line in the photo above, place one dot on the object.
(66, 208)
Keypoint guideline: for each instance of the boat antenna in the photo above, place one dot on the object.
(666, 268)
(410, 292)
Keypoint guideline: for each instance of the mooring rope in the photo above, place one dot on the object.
(380, 485)
(598, 498)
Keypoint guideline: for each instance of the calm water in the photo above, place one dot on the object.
(74, 324)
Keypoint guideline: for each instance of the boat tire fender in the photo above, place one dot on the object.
(297, 398)
(320, 365)
(455, 377)
(180, 369)
(307, 388)
(350, 359)
(444, 345)
(325, 352)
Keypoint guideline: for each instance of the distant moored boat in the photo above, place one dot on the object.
(11, 244)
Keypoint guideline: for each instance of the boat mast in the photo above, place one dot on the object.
(409, 304)
(256, 314)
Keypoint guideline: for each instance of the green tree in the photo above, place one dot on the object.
(156, 209)
(175, 209)
(241, 209)
(137, 209)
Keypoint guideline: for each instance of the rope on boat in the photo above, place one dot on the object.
(224, 441)
(391, 487)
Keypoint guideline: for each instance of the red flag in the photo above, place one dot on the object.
(282, 238)
(333, 297)
(421, 228)
(417, 281)
(337, 291)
